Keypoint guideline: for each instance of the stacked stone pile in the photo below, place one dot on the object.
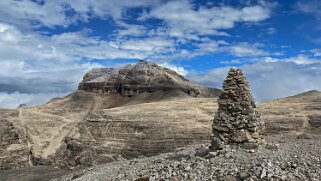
(236, 120)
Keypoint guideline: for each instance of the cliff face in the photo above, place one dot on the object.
(138, 78)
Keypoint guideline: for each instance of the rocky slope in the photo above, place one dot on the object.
(299, 113)
(282, 158)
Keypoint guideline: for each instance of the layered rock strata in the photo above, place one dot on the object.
(236, 120)
(139, 78)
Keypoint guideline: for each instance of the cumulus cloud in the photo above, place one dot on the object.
(41, 84)
(184, 19)
(15, 99)
(64, 12)
(180, 70)
(32, 66)
(245, 49)
(316, 52)
(270, 79)
(183, 24)
(36, 63)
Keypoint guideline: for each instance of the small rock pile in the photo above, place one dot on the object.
(236, 121)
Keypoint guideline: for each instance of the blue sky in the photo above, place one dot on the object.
(47, 46)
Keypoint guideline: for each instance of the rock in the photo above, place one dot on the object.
(304, 136)
(145, 178)
(249, 146)
(22, 106)
(243, 175)
(212, 154)
(263, 173)
(236, 117)
(272, 146)
(202, 152)
(216, 143)
(315, 120)
(241, 136)
(14, 151)
(142, 77)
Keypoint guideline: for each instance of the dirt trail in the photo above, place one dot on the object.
(20, 115)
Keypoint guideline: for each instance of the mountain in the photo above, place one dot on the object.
(136, 111)
(143, 77)
(125, 112)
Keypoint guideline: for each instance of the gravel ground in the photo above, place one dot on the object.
(280, 158)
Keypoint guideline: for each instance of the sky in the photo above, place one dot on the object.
(47, 46)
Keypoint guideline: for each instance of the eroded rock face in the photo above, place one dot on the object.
(137, 78)
(14, 152)
(236, 121)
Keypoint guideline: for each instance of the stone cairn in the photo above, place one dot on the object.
(236, 121)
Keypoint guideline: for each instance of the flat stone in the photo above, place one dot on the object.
(241, 136)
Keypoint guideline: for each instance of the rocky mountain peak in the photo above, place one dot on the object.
(137, 78)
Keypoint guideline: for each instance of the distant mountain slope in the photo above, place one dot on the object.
(300, 113)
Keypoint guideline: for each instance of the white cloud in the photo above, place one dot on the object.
(272, 31)
(154, 45)
(54, 13)
(302, 60)
(247, 50)
(34, 85)
(255, 13)
(270, 79)
(71, 46)
(184, 19)
(180, 70)
(13, 100)
(310, 7)
(181, 20)
(316, 52)
(37, 65)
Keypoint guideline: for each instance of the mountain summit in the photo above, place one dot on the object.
(138, 78)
